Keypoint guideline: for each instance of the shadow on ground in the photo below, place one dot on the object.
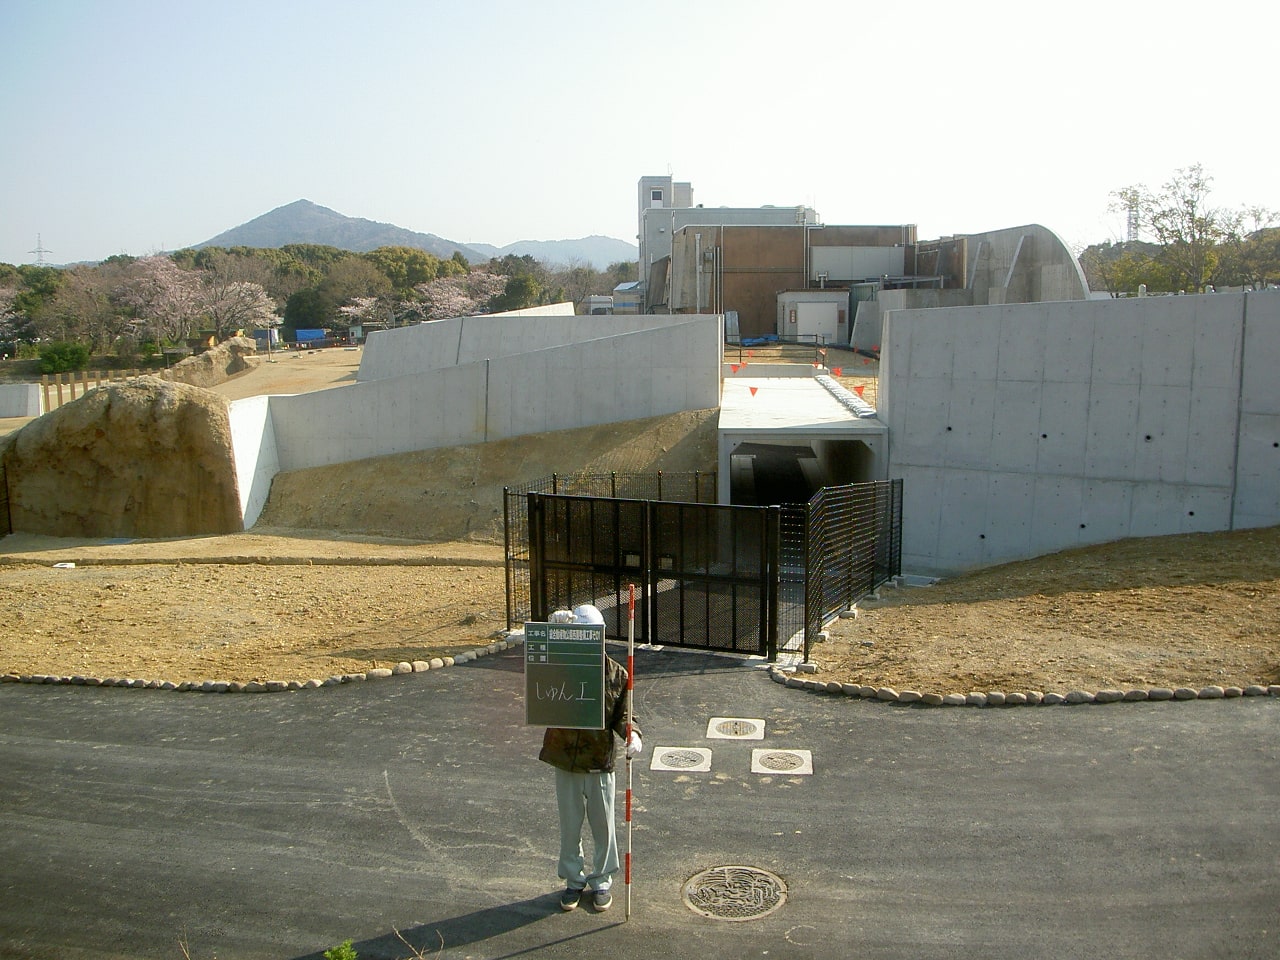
(435, 939)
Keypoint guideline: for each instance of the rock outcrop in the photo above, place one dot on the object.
(216, 364)
(147, 458)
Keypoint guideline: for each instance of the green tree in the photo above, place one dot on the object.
(1121, 268)
(1192, 235)
(353, 276)
(513, 266)
(309, 309)
(404, 267)
(61, 357)
(1253, 260)
(39, 286)
(519, 292)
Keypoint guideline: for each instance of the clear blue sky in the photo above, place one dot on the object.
(134, 126)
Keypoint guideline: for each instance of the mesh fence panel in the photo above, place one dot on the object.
(855, 544)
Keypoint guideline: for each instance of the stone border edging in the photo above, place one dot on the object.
(266, 686)
(1029, 698)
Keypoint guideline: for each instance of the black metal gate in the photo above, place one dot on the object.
(750, 580)
(693, 487)
(705, 575)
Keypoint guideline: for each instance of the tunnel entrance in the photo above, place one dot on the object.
(765, 474)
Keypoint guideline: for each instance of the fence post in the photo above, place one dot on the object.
(506, 544)
(57, 379)
(44, 386)
(537, 548)
(772, 572)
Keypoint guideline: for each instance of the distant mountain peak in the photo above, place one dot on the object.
(304, 221)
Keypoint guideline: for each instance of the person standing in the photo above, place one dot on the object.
(584, 775)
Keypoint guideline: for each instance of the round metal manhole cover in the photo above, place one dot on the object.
(736, 728)
(681, 758)
(781, 761)
(734, 893)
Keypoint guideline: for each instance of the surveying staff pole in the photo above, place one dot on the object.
(631, 674)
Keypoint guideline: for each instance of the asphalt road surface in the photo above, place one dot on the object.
(146, 824)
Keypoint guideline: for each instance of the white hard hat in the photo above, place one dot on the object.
(587, 614)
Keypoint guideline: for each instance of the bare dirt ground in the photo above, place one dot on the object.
(296, 600)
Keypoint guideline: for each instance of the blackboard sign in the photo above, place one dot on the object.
(564, 675)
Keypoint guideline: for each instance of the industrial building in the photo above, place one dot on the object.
(779, 271)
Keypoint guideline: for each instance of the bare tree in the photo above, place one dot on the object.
(1191, 233)
(164, 299)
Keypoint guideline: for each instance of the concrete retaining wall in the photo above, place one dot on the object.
(650, 372)
(446, 343)
(1020, 430)
(20, 400)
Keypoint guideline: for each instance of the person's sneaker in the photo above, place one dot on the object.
(569, 899)
(601, 900)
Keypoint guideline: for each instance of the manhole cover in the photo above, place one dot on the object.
(735, 728)
(734, 893)
(782, 761)
(682, 759)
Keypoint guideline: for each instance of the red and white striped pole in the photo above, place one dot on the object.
(631, 674)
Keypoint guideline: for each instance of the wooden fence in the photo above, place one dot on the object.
(60, 388)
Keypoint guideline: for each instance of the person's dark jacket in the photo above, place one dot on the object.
(592, 751)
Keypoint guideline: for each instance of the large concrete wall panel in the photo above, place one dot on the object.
(973, 358)
(1258, 474)
(1110, 418)
(1068, 342)
(1107, 510)
(1059, 502)
(1113, 426)
(406, 351)
(1260, 385)
(1010, 513)
(1064, 428)
(442, 408)
(1022, 342)
(924, 411)
(642, 374)
(921, 514)
(967, 434)
(1015, 432)
(963, 516)
(1168, 341)
(1117, 350)
(932, 355)
(1211, 437)
(1162, 435)
(1217, 351)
